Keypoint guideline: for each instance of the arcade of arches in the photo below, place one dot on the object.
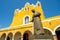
(27, 35)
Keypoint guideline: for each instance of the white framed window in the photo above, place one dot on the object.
(26, 19)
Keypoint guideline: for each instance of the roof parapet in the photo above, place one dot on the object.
(16, 11)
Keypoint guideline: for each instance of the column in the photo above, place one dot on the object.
(55, 37)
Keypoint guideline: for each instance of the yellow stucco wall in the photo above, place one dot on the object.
(19, 15)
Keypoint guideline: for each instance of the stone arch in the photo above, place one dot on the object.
(48, 32)
(57, 31)
(10, 36)
(3, 37)
(17, 36)
(27, 35)
(56, 28)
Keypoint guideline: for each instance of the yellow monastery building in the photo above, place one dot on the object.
(21, 24)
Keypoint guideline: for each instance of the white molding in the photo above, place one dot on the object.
(50, 19)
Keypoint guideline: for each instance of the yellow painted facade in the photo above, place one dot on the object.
(18, 22)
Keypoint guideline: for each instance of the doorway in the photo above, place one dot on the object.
(26, 36)
(8, 38)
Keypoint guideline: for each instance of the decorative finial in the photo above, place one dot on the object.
(38, 3)
(27, 4)
(16, 11)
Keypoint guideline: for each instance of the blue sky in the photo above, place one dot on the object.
(7, 7)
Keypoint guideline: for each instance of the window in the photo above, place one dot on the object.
(26, 19)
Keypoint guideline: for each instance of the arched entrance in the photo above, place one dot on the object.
(47, 32)
(3, 37)
(58, 33)
(10, 36)
(17, 36)
(27, 35)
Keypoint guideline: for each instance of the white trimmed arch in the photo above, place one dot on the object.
(56, 28)
(28, 31)
(49, 30)
(3, 36)
(9, 36)
(17, 35)
(24, 19)
(27, 34)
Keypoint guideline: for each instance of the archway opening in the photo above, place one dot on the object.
(17, 36)
(47, 32)
(58, 33)
(27, 35)
(3, 37)
(10, 36)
